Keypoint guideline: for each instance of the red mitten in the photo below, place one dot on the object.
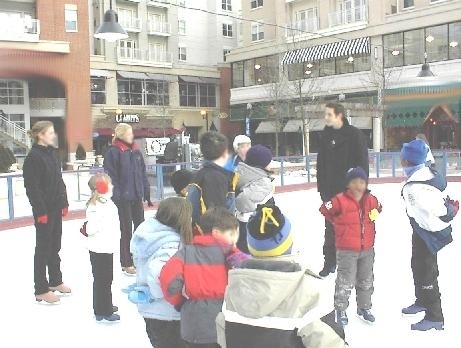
(455, 205)
(102, 187)
(65, 211)
(42, 219)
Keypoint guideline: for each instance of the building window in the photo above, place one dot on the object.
(454, 38)
(182, 27)
(237, 74)
(227, 30)
(327, 67)
(18, 119)
(157, 93)
(188, 94)
(413, 41)
(98, 90)
(128, 49)
(182, 54)
(70, 17)
(207, 96)
(256, 3)
(307, 20)
(11, 92)
(225, 52)
(344, 65)
(437, 43)
(362, 63)
(393, 50)
(408, 3)
(142, 92)
(257, 32)
(130, 92)
(227, 5)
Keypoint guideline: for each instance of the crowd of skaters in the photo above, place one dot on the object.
(229, 278)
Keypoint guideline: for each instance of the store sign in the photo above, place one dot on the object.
(156, 146)
(127, 118)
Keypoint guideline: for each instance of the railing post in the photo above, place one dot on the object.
(282, 180)
(9, 181)
(159, 174)
(308, 168)
(78, 184)
(393, 164)
(378, 163)
(445, 164)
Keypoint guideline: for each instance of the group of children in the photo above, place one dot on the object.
(232, 281)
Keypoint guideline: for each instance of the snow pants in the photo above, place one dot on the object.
(355, 268)
(425, 273)
(164, 334)
(131, 215)
(329, 248)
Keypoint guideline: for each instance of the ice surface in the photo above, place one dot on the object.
(24, 323)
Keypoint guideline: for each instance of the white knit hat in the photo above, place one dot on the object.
(240, 139)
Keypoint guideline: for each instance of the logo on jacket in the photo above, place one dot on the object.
(329, 205)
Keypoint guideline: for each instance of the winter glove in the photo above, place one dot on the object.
(83, 229)
(149, 203)
(452, 209)
(65, 211)
(374, 214)
(42, 219)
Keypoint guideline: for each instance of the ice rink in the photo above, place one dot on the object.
(24, 323)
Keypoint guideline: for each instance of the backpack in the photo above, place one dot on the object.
(194, 195)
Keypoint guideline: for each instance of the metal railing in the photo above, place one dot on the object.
(297, 170)
(130, 23)
(352, 15)
(48, 103)
(14, 132)
(131, 54)
(19, 28)
(302, 27)
(158, 27)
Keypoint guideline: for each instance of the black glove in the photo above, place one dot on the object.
(149, 203)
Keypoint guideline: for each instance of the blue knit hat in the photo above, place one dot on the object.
(258, 156)
(415, 152)
(355, 173)
(269, 233)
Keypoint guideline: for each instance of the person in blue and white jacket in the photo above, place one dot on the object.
(154, 242)
(430, 212)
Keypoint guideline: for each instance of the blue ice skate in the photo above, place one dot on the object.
(413, 309)
(341, 317)
(426, 325)
(366, 316)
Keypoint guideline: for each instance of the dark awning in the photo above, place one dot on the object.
(191, 79)
(210, 80)
(132, 75)
(154, 132)
(162, 77)
(104, 132)
(327, 51)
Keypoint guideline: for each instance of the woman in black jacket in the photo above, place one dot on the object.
(47, 195)
(125, 165)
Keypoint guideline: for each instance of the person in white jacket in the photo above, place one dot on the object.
(103, 231)
(430, 212)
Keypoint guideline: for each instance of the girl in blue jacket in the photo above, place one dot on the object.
(154, 242)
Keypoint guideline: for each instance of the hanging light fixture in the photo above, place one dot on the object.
(425, 69)
(110, 29)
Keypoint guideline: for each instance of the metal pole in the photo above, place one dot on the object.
(78, 183)
(9, 181)
(393, 164)
(282, 180)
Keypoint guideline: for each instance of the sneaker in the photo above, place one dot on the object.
(341, 318)
(426, 325)
(366, 316)
(114, 309)
(111, 318)
(327, 270)
(129, 271)
(62, 288)
(48, 297)
(413, 309)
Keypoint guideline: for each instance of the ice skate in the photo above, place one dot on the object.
(62, 288)
(129, 271)
(114, 309)
(327, 270)
(366, 316)
(108, 318)
(47, 298)
(341, 317)
(413, 310)
(426, 325)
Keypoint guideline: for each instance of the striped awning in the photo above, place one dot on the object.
(328, 51)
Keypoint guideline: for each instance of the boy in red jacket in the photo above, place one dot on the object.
(353, 214)
(195, 279)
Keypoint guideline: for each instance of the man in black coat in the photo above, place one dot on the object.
(342, 147)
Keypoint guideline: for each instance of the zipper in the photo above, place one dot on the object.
(362, 229)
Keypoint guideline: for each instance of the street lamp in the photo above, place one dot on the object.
(425, 68)
(110, 29)
(204, 115)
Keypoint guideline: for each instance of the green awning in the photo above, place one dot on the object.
(414, 114)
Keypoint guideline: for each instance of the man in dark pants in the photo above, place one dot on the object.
(342, 147)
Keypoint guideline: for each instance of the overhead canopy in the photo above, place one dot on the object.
(327, 51)
(293, 126)
(190, 79)
(99, 73)
(266, 127)
(210, 80)
(162, 77)
(132, 75)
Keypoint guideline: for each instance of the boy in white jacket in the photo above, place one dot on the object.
(430, 212)
(103, 231)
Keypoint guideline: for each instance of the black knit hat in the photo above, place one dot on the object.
(180, 179)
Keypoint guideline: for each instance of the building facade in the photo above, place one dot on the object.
(297, 55)
(44, 71)
(165, 77)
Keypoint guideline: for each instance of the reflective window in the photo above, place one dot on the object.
(413, 42)
(454, 40)
(327, 67)
(11, 92)
(393, 50)
(437, 43)
(98, 90)
(237, 74)
(207, 95)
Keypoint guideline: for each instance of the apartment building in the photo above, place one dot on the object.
(44, 71)
(166, 76)
(296, 55)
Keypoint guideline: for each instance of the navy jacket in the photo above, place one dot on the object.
(214, 181)
(43, 180)
(125, 165)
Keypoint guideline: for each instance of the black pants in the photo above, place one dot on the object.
(47, 247)
(164, 334)
(103, 272)
(131, 214)
(329, 248)
(425, 273)
(242, 243)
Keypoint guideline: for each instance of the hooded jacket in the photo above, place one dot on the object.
(125, 165)
(340, 150)
(43, 180)
(214, 181)
(425, 203)
(274, 303)
(152, 245)
(253, 187)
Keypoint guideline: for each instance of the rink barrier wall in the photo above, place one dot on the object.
(292, 173)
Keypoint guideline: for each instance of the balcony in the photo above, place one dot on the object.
(48, 107)
(20, 29)
(130, 56)
(131, 24)
(350, 16)
(159, 3)
(302, 27)
(158, 28)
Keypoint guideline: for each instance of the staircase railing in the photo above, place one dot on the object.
(13, 131)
